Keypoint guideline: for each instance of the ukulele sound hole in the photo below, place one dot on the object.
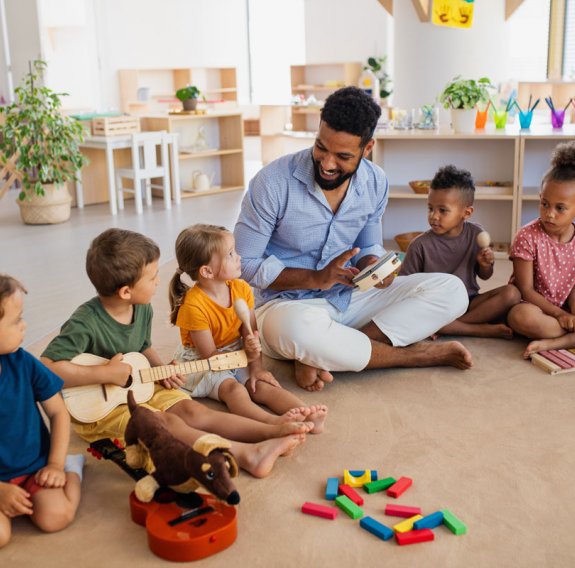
(129, 383)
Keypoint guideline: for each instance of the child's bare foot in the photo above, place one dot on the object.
(318, 414)
(293, 428)
(299, 414)
(259, 459)
(311, 378)
(566, 341)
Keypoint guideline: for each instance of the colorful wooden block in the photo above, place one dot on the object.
(360, 472)
(453, 523)
(319, 510)
(406, 525)
(351, 494)
(348, 507)
(400, 487)
(376, 528)
(402, 511)
(331, 488)
(379, 485)
(429, 522)
(353, 481)
(412, 537)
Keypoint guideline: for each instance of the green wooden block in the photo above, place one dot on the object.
(348, 507)
(379, 485)
(453, 523)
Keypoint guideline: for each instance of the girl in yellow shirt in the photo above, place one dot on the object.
(202, 296)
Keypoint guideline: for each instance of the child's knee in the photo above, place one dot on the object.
(54, 520)
(230, 388)
(511, 295)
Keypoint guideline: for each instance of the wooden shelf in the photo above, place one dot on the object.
(210, 80)
(208, 154)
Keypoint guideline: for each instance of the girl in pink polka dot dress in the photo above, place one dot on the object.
(543, 254)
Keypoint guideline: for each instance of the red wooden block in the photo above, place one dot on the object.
(319, 510)
(402, 511)
(413, 537)
(351, 493)
(399, 487)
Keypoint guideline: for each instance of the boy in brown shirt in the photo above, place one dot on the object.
(451, 246)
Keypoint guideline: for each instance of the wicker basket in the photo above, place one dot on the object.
(403, 239)
(420, 186)
(48, 209)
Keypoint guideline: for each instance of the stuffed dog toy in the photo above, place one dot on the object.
(174, 464)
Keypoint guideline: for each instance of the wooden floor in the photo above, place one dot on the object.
(49, 259)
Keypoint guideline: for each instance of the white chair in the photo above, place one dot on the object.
(145, 167)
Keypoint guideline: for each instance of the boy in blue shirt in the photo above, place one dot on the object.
(36, 478)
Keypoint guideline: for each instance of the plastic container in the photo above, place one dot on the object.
(557, 118)
(370, 84)
(481, 119)
(525, 119)
(500, 119)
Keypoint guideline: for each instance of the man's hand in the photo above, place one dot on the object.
(14, 500)
(336, 272)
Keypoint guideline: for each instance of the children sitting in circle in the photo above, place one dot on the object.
(451, 246)
(543, 255)
(202, 296)
(36, 478)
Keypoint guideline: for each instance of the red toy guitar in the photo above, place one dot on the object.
(180, 527)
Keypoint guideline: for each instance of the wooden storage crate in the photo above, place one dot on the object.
(115, 125)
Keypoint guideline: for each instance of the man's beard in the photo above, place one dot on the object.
(328, 185)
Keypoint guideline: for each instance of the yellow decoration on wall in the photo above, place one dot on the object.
(452, 13)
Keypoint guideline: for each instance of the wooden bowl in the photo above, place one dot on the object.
(420, 186)
(403, 239)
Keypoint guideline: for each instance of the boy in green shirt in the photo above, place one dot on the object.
(123, 267)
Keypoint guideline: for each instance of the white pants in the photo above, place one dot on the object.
(317, 334)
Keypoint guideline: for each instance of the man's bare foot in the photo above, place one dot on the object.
(311, 378)
(566, 341)
(293, 428)
(259, 459)
(318, 414)
(298, 414)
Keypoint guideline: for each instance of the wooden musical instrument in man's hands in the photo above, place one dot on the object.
(377, 272)
(88, 403)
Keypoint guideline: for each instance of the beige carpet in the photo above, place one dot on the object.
(495, 445)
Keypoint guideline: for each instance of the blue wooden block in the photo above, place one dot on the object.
(429, 522)
(360, 472)
(331, 488)
(376, 528)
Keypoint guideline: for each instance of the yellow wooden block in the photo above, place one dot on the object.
(407, 525)
(352, 481)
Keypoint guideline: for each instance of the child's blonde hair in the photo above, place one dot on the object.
(562, 164)
(195, 247)
(8, 286)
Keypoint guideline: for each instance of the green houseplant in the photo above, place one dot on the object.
(461, 96)
(44, 146)
(377, 65)
(189, 96)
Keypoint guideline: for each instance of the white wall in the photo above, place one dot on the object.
(347, 30)
(428, 56)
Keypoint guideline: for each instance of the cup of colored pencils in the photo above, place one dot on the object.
(557, 114)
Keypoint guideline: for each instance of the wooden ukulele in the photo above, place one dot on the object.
(88, 403)
(180, 527)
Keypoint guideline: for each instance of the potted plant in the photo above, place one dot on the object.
(461, 96)
(43, 145)
(377, 66)
(189, 96)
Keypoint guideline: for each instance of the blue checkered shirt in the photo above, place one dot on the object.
(286, 221)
